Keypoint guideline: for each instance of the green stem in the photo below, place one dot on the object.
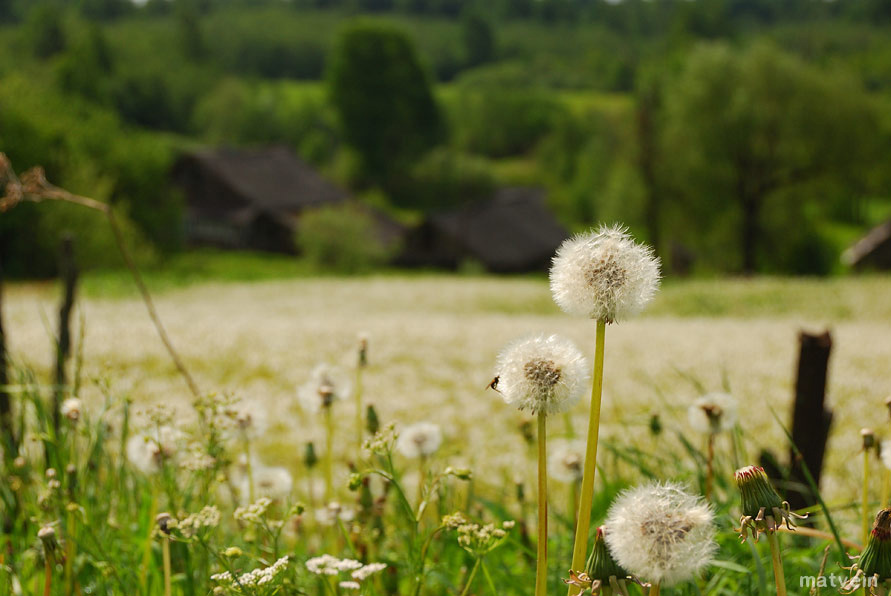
(47, 575)
(886, 487)
(654, 589)
(541, 566)
(476, 566)
(865, 512)
(165, 554)
(710, 467)
(329, 445)
(582, 528)
(249, 468)
(359, 425)
(488, 577)
(777, 560)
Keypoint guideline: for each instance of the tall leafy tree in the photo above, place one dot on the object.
(757, 137)
(384, 100)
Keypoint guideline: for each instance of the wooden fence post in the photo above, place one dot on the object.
(811, 420)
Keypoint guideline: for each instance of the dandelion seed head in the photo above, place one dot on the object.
(71, 409)
(149, 451)
(885, 453)
(541, 373)
(326, 385)
(604, 275)
(660, 533)
(419, 440)
(713, 413)
(566, 461)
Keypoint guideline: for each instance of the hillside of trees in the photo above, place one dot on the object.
(734, 135)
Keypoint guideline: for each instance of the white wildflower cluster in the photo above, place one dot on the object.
(326, 385)
(419, 440)
(332, 566)
(713, 413)
(477, 539)
(209, 517)
(382, 441)
(541, 373)
(258, 577)
(604, 275)
(660, 533)
(254, 513)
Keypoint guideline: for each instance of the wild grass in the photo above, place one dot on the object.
(432, 342)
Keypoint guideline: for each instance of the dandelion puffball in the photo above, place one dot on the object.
(419, 440)
(660, 533)
(604, 275)
(541, 373)
(713, 413)
(566, 461)
(326, 385)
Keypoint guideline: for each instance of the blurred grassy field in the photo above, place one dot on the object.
(256, 327)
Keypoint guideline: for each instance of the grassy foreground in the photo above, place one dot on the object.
(432, 343)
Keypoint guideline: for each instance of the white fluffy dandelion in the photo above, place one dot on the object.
(713, 413)
(566, 461)
(419, 440)
(541, 373)
(660, 533)
(326, 385)
(150, 450)
(71, 409)
(274, 482)
(604, 275)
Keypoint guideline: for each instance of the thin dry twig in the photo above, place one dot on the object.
(33, 186)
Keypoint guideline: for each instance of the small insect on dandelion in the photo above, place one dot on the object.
(660, 533)
(604, 275)
(542, 373)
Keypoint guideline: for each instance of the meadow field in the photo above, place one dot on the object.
(433, 341)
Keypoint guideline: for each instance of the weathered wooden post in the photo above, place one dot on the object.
(811, 420)
(68, 275)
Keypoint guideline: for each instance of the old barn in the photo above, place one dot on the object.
(249, 199)
(512, 232)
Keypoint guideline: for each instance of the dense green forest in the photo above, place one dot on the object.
(734, 135)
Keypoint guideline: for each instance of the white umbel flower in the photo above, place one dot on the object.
(713, 413)
(419, 440)
(326, 385)
(566, 461)
(541, 373)
(659, 533)
(604, 275)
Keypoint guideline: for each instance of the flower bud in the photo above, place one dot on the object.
(372, 423)
(655, 425)
(47, 535)
(233, 552)
(163, 521)
(763, 510)
(875, 560)
(355, 481)
(363, 351)
(310, 459)
(601, 566)
(868, 437)
(459, 473)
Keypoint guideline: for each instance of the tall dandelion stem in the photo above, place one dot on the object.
(541, 567)
(865, 498)
(165, 554)
(329, 445)
(886, 487)
(48, 576)
(710, 467)
(654, 589)
(583, 524)
(777, 561)
(359, 422)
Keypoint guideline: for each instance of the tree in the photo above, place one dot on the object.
(479, 39)
(46, 30)
(768, 133)
(384, 101)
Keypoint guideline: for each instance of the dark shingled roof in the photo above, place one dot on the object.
(871, 251)
(273, 179)
(512, 232)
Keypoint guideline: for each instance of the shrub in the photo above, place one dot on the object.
(341, 239)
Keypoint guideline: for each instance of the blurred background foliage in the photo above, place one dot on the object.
(734, 135)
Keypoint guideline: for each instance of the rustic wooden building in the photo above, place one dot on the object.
(873, 251)
(512, 232)
(249, 198)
